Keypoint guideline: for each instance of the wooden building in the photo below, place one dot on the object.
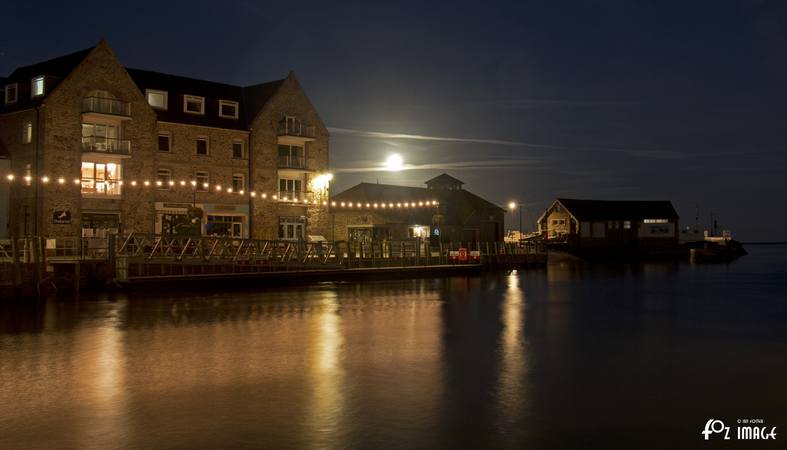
(587, 225)
(442, 211)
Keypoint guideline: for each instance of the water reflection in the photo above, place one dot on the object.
(510, 393)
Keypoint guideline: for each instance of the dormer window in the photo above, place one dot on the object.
(11, 92)
(37, 87)
(156, 99)
(228, 109)
(193, 104)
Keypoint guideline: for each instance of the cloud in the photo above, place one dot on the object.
(496, 164)
(640, 153)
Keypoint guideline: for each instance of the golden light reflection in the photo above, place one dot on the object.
(511, 396)
(326, 373)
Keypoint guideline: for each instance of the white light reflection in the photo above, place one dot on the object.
(511, 395)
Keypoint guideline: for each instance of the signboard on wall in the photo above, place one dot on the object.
(61, 217)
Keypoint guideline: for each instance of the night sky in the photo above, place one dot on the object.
(525, 101)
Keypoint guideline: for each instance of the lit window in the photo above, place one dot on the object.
(419, 231)
(238, 182)
(289, 189)
(11, 92)
(626, 224)
(27, 133)
(37, 87)
(164, 142)
(193, 104)
(228, 109)
(202, 146)
(237, 149)
(157, 99)
(656, 221)
(100, 178)
(203, 181)
(163, 177)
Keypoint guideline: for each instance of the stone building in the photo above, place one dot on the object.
(442, 211)
(95, 147)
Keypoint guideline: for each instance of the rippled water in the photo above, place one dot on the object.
(572, 356)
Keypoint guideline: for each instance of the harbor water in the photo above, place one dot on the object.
(567, 356)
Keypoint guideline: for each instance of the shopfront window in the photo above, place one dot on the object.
(229, 226)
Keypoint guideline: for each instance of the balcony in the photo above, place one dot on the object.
(295, 128)
(103, 105)
(294, 196)
(106, 145)
(292, 162)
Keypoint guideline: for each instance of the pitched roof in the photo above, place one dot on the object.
(54, 70)
(388, 193)
(619, 209)
(443, 180)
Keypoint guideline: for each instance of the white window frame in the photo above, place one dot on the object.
(242, 178)
(194, 98)
(223, 103)
(242, 149)
(165, 186)
(200, 187)
(207, 145)
(156, 91)
(169, 141)
(9, 87)
(33, 83)
(27, 133)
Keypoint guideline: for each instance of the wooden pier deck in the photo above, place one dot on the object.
(134, 259)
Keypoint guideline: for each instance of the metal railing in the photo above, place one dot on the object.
(295, 128)
(106, 145)
(292, 162)
(106, 106)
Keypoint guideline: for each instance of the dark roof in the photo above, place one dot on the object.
(54, 70)
(251, 99)
(619, 209)
(372, 192)
(443, 180)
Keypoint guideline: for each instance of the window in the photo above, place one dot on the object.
(228, 109)
(289, 189)
(237, 149)
(202, 146)
(11, 92)
(291, 228)
(203, 181)
(27, 133)
(163, 177)
(238, 182)
(291, 156)
(193, 104)
(102, 138)
(231, 226)
(100, 178)
(656, 221)
(626, 224)
(157, 99)
(37, 87)
(164, 142)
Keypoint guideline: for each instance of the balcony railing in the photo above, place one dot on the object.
(293, 196)
(106, 145)
(295, 128)
(106, 106)
(292, 162)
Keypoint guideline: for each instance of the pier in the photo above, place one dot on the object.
(29, 265)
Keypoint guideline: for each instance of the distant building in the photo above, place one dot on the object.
(96, 147)
(602, 224)
(442, 211)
